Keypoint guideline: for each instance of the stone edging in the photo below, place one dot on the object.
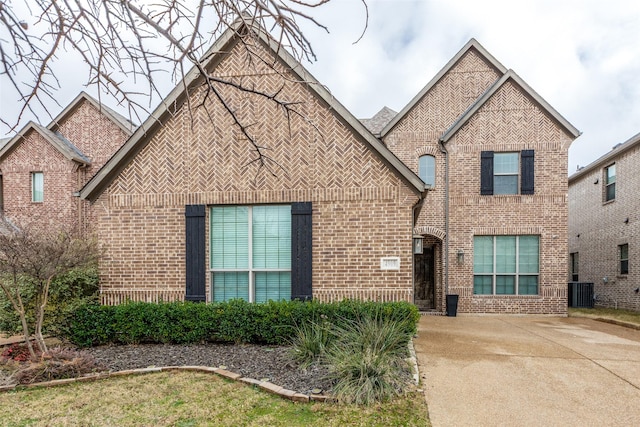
(265, 385)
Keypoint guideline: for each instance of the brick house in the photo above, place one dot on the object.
(493, 154)
(185, 212)
(42, 168)
(604, 232)
(462, 192)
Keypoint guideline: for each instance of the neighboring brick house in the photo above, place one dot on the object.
(494, 156)
(604, 226)
(42, 169)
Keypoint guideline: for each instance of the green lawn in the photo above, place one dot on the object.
(180, 398)
(616, 315)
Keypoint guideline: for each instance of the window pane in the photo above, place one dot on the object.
(230, 237)
(483, 254)
(624, 251)
(528, 285)
(505, 285)
(611, 191)
(611, 174)
(505, 184)
(505, 254)
(275, 285)
(230, 285)
(37, 179)
(271, 237)
(528, 253)
(482, 285)
(427, 170)
(505, 163)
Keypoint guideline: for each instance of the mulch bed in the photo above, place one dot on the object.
(272, 363)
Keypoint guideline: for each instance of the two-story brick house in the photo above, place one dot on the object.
(494, 156)
(42, 168)
(183, 216)
(604, 226)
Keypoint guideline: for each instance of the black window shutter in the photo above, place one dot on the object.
(301, 254)
(486, 173)
(195, 253)
(526, 172)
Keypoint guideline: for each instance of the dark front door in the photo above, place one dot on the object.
(424, 278)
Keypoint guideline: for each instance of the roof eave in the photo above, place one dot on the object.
(509, 75)
(473, 43)
(629, 144)
(113, 167)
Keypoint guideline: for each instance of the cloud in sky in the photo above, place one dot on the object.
(582, 56)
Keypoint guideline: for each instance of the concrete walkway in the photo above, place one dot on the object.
(529, 371)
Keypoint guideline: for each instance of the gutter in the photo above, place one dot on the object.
(446, 215)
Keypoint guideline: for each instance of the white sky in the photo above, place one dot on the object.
(582, 56)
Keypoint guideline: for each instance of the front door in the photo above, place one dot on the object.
(424, 278)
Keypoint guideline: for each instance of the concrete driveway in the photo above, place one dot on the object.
(529, 371)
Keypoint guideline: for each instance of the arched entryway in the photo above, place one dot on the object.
(426, 273)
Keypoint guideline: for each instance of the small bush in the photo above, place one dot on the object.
(366, 358)
(309, 342)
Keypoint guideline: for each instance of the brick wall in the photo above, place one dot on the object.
(361, 210)
(597, 228)
(510, 121)
(35, 154)
(517, 123)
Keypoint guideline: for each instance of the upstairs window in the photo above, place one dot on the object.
(37, 187)
(623, 250)
(427, 170)
(610, 183)
(1, 197)
(507, 173)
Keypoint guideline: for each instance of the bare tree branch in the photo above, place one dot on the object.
(124, 42)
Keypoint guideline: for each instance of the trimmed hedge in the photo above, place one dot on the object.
(235, 321)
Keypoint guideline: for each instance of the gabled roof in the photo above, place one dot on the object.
(59, 142)
(376, 123)
(606, 159)
(509, 75)
(211, 59)
(471, 44)
(118, 119)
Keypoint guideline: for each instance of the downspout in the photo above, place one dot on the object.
(446, 215)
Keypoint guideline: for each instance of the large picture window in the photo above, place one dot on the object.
(251, 253)
(506, 265)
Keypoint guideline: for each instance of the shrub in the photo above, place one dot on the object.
(234, 321)
(309, 342)
(366, 358)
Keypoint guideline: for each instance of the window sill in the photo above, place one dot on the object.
(608, 202)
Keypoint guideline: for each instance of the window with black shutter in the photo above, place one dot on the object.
(195, 253)
(500, 173)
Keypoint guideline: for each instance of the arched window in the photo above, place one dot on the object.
(427, 170)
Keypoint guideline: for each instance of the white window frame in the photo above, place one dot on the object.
(608, 184)
(250, 270)
(516, 174)
(33, 186)
(517, 273)
(423, 173)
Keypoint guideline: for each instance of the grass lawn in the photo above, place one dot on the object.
(626, 316)
(190, 399)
